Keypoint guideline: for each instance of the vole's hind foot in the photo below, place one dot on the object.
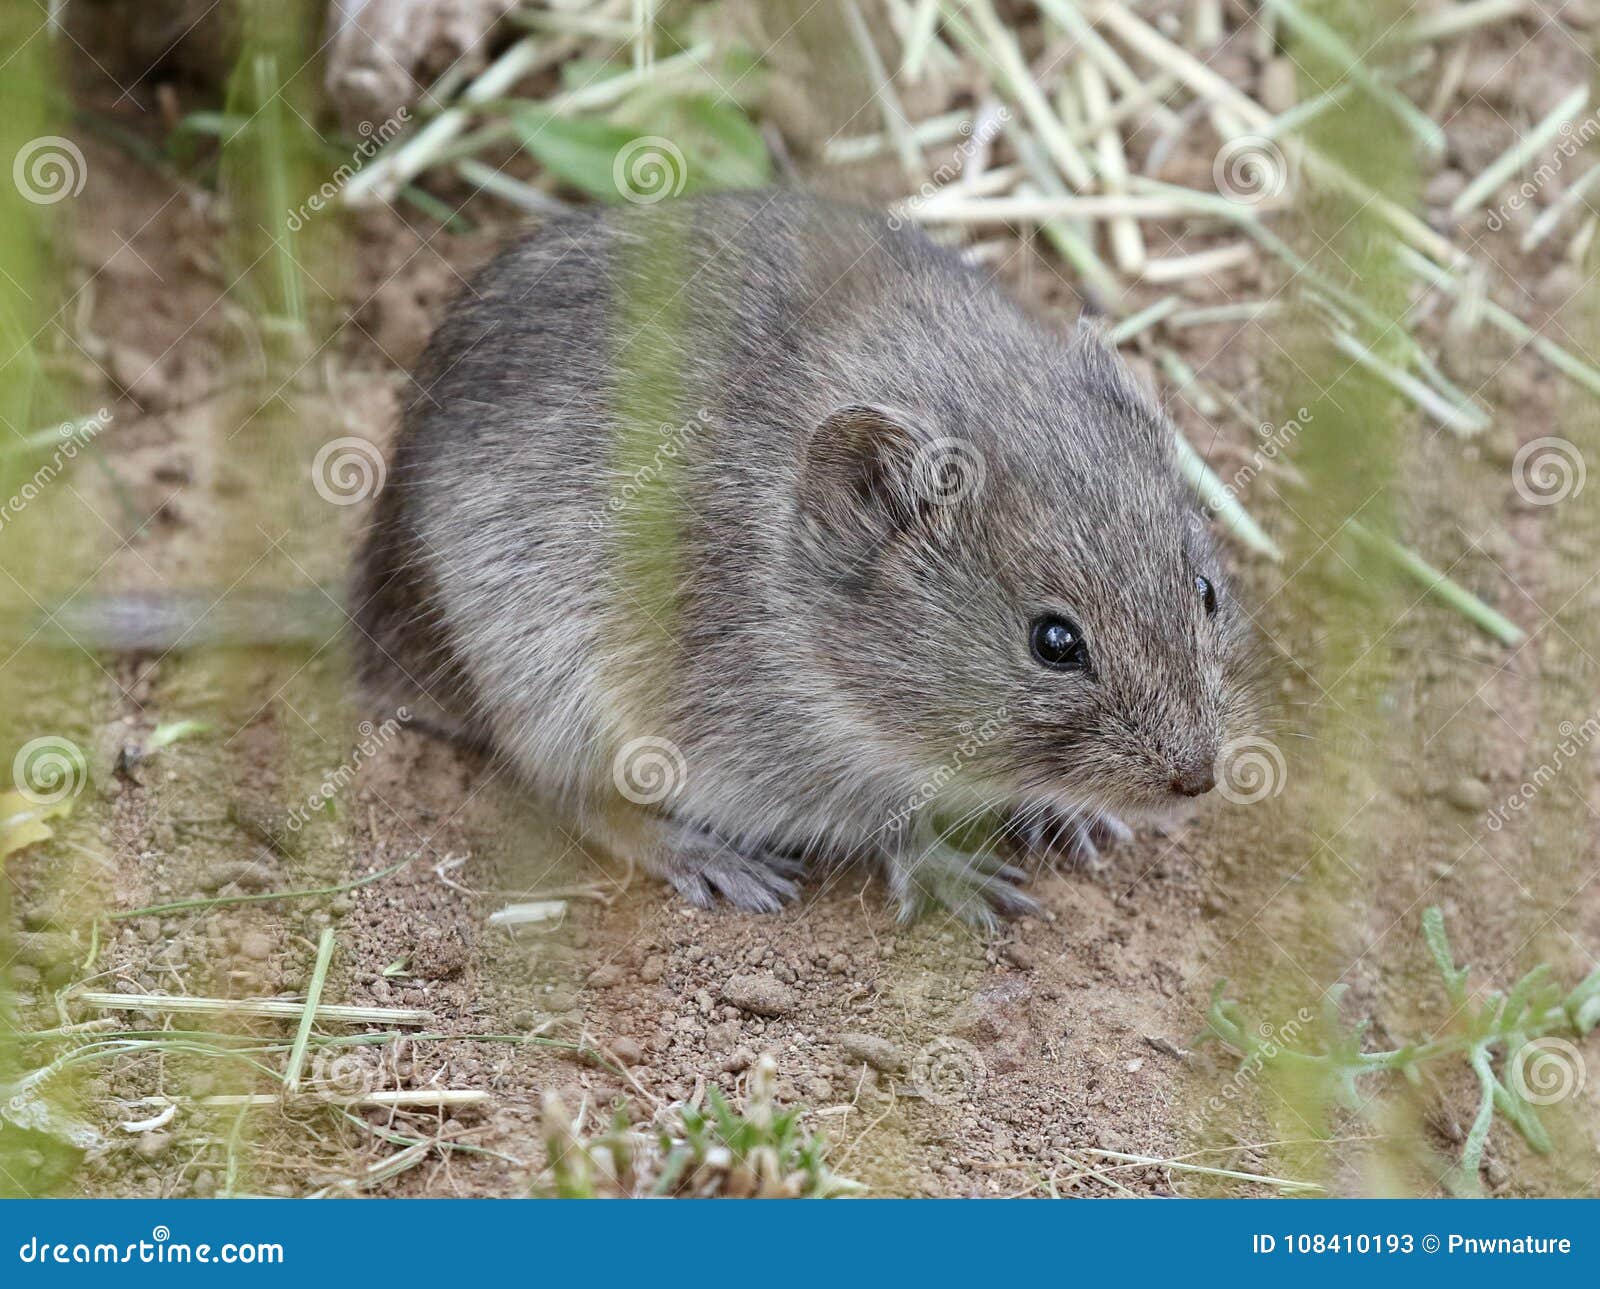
(1078, 838)
(702, 868)
(980, 889)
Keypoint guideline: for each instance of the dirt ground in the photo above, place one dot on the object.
(936, 1062)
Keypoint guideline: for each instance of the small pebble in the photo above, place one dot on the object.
(247, 874)
(1469, 794)
(757, 993)
(440, 955)
(255, 945)
(877, 1052)
(1019, 956)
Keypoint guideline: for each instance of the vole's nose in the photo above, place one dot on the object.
(1194, 779)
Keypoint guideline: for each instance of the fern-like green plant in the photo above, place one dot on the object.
(1512, 1025)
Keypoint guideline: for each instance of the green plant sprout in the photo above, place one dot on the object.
(1534, 1009)
(757, 1151)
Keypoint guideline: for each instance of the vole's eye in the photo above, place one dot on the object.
(1058, 644)
(1208, 594)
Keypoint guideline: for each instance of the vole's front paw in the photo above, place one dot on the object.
(702, 867)
(1079, 837)
(980, 889)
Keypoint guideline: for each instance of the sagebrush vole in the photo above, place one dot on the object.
(752, 529)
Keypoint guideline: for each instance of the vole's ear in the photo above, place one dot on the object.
(858, 472)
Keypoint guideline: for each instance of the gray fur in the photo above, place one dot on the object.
(777, 598)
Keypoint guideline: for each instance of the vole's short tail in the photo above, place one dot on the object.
(159, 621)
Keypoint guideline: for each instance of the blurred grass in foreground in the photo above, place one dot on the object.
(49, 545)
